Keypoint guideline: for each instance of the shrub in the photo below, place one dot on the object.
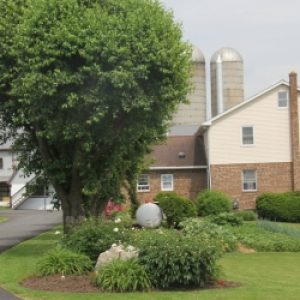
(246, 215)
(172, 259)
(64, 262)
(175, 207)
(226, 218)
(279, 206)
(123, 276)
(212, 203)
(207, 231)
(93, 237)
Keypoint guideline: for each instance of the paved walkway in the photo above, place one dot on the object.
(23, 225)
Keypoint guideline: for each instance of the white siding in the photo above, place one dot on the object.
(271, 133)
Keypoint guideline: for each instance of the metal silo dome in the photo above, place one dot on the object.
(197, 55)
(227, 80)
(226, 54)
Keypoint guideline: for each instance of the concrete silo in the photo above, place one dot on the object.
(194, 113)
(227, 80)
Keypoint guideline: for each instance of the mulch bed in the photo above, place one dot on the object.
(82, 284)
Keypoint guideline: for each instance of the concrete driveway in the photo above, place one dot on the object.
(23, 225)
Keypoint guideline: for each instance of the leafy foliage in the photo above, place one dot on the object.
(175, 207)
(279, 228)
(64, 262)
(246, 215)
(172, 259)
(94, 236)
(279, 206)
(123, 276)
(212, 203)
(210, 232)
(265, 241)
(86, 87)
(227, 218)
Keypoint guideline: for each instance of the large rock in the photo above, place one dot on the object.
(116, 252)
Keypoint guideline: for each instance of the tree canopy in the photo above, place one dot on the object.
(85, 87)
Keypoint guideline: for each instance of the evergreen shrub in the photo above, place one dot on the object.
(176, 208)
(213, 203)
(279, 206)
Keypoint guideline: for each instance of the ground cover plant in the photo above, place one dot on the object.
(279, 228)
(281, 279)
(3, 219)
(246, 215)
(249, 234)
(226, 218)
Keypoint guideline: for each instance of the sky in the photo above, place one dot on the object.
(266, 33)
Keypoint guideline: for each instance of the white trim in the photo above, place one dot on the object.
(177, 168)
(162, 185)
(246, 102)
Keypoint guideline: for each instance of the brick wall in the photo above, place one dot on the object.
(187, 183)
(271, 177)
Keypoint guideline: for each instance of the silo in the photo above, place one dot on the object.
(194, 113)
(227, 80)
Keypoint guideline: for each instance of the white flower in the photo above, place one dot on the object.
(57, 232)
(118, 220)
(116, 229)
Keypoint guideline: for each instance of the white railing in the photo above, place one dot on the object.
(19, 197)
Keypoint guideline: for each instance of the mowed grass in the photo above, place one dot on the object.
(262, 276)
(2, 219)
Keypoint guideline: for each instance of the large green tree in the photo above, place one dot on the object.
(85, 87)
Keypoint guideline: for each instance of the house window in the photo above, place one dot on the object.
(143, 184)
(247, 135)
(282, 99)
(1, 163)
(249, 180)
(4, 191)
(167, 182)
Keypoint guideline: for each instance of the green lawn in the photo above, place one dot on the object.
(262, 275)
(2, 219)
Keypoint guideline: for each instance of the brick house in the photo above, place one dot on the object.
(249, 149)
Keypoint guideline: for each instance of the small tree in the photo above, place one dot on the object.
(85, 87)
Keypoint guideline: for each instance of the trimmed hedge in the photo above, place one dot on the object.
(213, 203)
(279, 206)
(175, 207)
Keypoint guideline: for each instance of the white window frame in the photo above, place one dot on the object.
(242, 136)
(143, 187)
(249, 181)
(278, 99)
(163, 188)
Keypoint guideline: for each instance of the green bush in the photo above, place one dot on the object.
(213, 203)
(123, 276)
(175, 207)
(94, 236)
(265, 241)
(207, 231)
(64, 262)
(246, 215)
(174, 260)
(279, 206)
(226, 218)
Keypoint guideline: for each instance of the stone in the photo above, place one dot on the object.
(116, 252)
